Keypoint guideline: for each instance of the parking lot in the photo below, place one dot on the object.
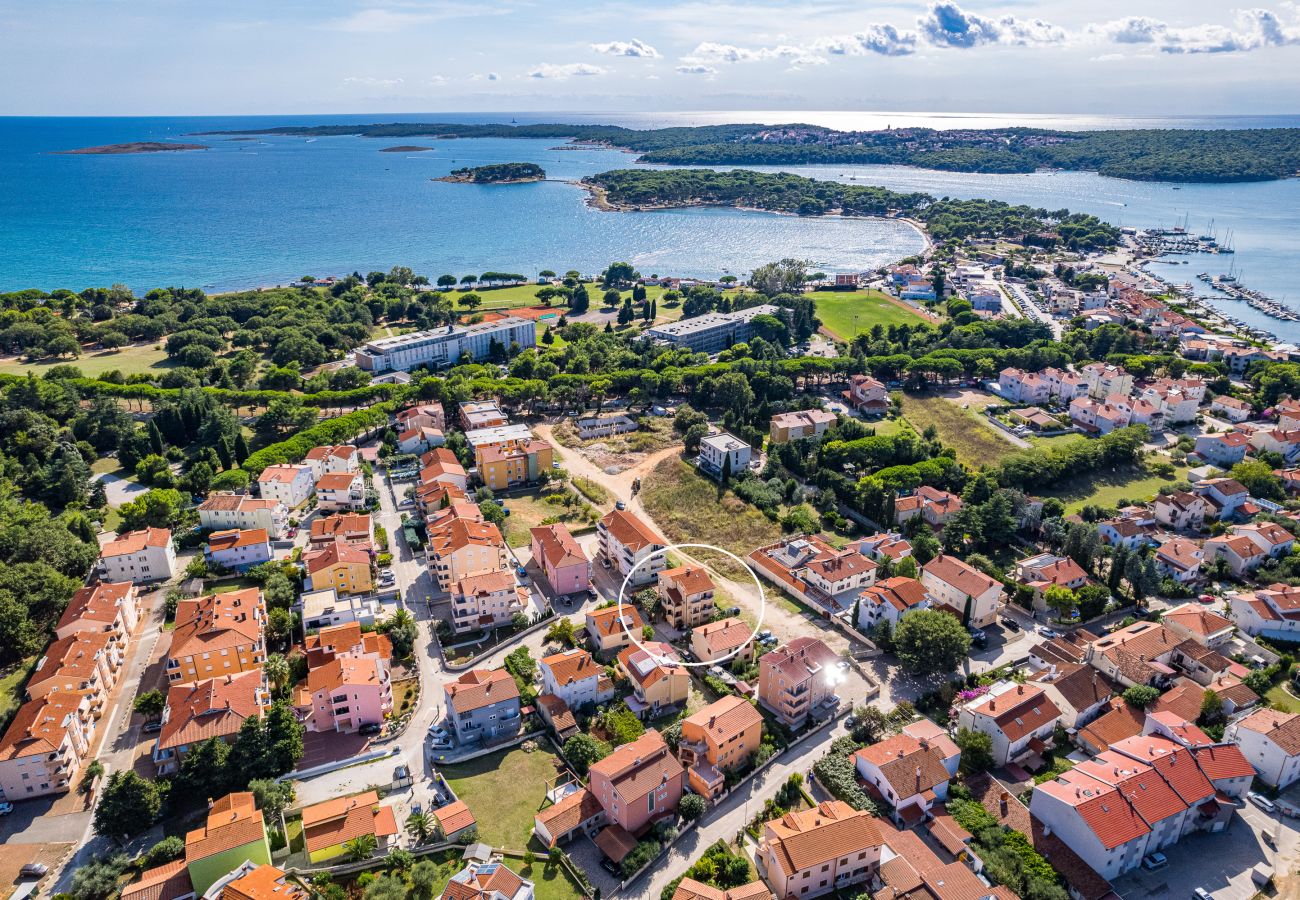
(1219, 863)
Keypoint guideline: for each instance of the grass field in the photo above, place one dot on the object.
(504, 791)
(1056, 440)
(1278, 697)
(549, 882)
(977, 443)
(12, 682)
(527, 510)
(1107, 488)
(128, 360)
(845, 314)
(517, 295)
(692, 509)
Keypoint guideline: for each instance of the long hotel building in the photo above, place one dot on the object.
(439, 347)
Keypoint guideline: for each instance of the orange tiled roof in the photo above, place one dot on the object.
(217, 622)
(569, 666)
(263, 883)
(97, 603)
(135, 541)
(216, 707)
(630, 531)
(639, 767)
(233, 821)
(37, 728)
(802, 840)
(163, 882)
(478, 688)
(722, 720)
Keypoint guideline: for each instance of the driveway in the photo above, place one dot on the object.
(119, 490)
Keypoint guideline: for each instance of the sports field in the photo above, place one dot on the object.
(846, 314)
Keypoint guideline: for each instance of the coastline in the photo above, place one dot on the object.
(598, 198)
(460, 179)
(129, 147)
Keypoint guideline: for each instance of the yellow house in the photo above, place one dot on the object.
(504, 465)
(659, 680)
(340, 566)
(327, 827)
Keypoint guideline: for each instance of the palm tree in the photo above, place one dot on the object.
(361, 847)
(419, 826)
(276, 668)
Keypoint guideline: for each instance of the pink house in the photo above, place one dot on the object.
(347, 693)
(561, 560)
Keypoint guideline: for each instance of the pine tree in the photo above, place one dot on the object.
(241, 448)
(225, 454)
(155, 438)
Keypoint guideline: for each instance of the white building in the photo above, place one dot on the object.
(238, 549)
(439, 347)
(952, 583)
(1270, 740)
(138, 557)
(326, 459)
(289, 484)
(337, 491)
(222, 511)
(324, 608)
(1019, 718)
(1273, 612)
(712, 332)
(723, 452)
(625, 541)
(576, 678)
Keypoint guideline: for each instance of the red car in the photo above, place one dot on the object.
(1206, 598)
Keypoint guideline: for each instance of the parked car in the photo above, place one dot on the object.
(979, 638)
(1201, 894)
(842, 665)
(1047, 632)
(6, 807)
(152, 727)
(766, 635)
(1261, 801)
(370, 728)
(441, 745)
(620, 505)
(1155, 861)
(611, 867)
(1010, 624)
(604, 561)
(34, 870)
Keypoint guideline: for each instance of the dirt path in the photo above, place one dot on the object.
(576, 463)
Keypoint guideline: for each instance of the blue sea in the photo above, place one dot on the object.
(246, 213)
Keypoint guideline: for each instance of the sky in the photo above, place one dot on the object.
(228, 57)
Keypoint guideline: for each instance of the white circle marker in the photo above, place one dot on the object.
(636, 640)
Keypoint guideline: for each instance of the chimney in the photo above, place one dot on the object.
(1002, 803)
(1020, 689)
(209, 803)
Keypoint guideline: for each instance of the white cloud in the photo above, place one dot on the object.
(438, 80)
(710, 51)
(1254, 29)
(366, 81)
(635, 48)
(948, 25)
(561, 72)
(697, 69)
(885, 40)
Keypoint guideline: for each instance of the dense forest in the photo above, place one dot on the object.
(498, 173)
(782, 192)
(1191, 155)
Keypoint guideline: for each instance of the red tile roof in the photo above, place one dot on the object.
(233, 821)
(216, 707)
(340, 820)
(478, 688)
(630, 531)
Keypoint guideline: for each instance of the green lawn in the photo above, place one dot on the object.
(1056, 440)
(504, 791)
(1279, 698)
(12, 682)
(1107, 488)
(693, 509)
(549, 882)
(527, 510)
(129, 361)
(845, 314)
(976, 442)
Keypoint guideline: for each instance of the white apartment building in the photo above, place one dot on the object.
(222, 511)
(625, 541)
(574, 677)
(724, 453)
(439, 347)
(1270, 740)
(138, 557)
(289, 484)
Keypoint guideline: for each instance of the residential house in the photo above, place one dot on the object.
(323, 608)
(562, 561)
(483, 705)
(1288, 414)
(1224, 450)
(234, 834)
(170, 880)
(462, 545)
(605, 425)
(1180, 559)
(638, 784)
(221, 511)
(658, 678)
(139, 557)
(487, 881)
(423, 415)
(288, 484)
(908, 773)
(867, 395)
(888, 601)
(238, 550)
(219, 634)
(1272, 612)
(1273, 539)
(103, 606)
(1047, 570)
(1099, 417)
(440, 466)
(342, 567)
(337, 491)
(1232, 409)
(963, 589)
(211, 708)
(455, 820)
(797, 681)
(1103, 380)
(1020, 386)
(690, 889)
(1285, 444)
(686, 596)
(724, 455)
(1073, 646)
(339, 459)
(1064, 384)
(475, 414)
(610, 629)
(327, 827)
(356, 529)
(252, 881)
(1241, 555)
(346, 641)
(722, 736)
(489, 600)
(556, 714)
(1225, 498)
(931, 504)
(504, 465)
(83, 661)
(1020, 718)
(1191, 620)
(1271, 741)
(883, 545)
(574, 677)
(724, 640)
(819, 851)
(631, 546)
(1137, 654)
(809, 424)
(1129, 532)
(419, 438)
(1080, 692)
(346, 693)
(1036, 418)
(1180, 510)
(43, 747)
(436, 496)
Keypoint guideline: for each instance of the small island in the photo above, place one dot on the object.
(133, 147)
(498, 173)
(404, 148)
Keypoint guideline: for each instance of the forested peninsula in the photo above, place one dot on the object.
(640, 189)
(1187, 155)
